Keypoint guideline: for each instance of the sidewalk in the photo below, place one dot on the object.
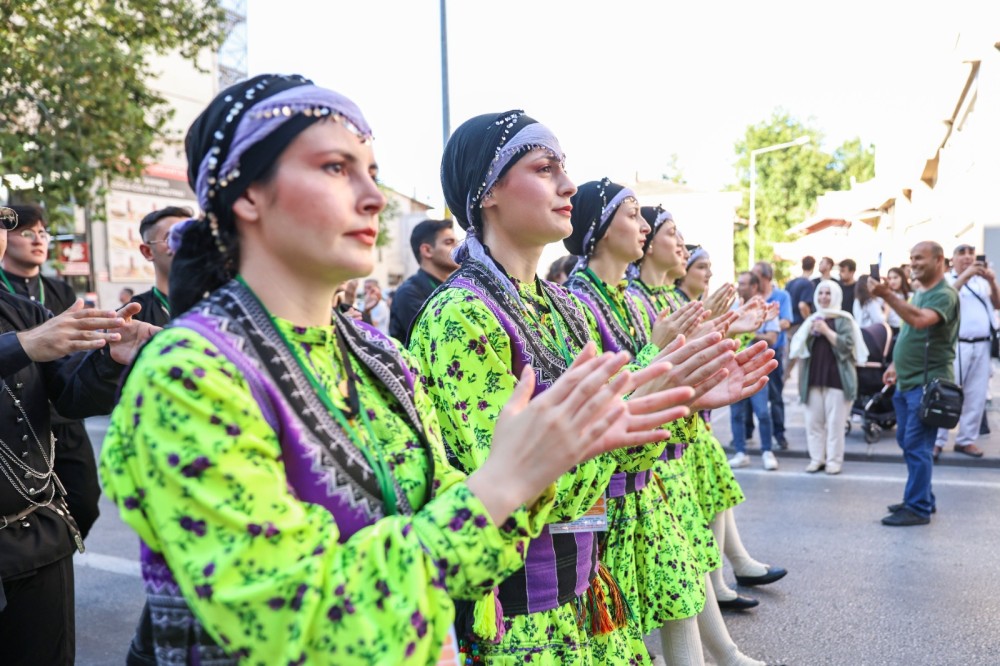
(856, 449)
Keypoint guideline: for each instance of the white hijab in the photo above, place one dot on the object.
(800, 348)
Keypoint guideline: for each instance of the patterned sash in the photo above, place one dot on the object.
(620, 339)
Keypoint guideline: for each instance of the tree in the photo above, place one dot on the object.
(790, 180)
(75, 105)
(674, 174)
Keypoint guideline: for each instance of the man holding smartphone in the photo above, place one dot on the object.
(978, 296)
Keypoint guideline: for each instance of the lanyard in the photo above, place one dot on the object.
(10, 287)
(622, 317)
(162, 299)
(374, 458)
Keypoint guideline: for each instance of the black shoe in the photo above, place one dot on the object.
(893, 508)
(781, 442)
(739, 603)
(905, 518)
(773, 574)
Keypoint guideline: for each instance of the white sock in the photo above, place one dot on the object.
(715, 637)
(743, 564)
(722, 591)
(682, 643)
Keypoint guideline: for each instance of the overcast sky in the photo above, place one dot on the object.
(623, 84)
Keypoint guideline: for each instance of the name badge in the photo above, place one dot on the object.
(595, 520)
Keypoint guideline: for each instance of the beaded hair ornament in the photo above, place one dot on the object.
(247, 124)
(507, 150)
(608, 209)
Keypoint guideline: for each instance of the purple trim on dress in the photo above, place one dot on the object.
(624, 483)
(673, 451)
(297, 455)
(607, 340)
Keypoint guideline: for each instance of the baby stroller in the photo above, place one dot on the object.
(874, 402)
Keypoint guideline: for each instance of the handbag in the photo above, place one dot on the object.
(941, 402)
(994, 333)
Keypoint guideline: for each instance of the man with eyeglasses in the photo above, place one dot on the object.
(27, 251)
(154, 229)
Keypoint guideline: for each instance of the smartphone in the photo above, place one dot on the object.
(873, 271)
(981, 259)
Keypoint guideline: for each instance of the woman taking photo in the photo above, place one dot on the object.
(899, 284)
(830, 346)
(285, 471)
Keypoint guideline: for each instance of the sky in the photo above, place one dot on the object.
(625, 84)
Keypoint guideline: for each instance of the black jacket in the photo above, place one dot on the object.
(407, 301)
(79, 386)
(153, 311)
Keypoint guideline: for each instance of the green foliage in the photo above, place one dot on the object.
(673, 172)
(387, 218)
(75, 105)
(790, 180)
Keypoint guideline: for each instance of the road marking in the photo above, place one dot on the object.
(109, 563)
(874, 478)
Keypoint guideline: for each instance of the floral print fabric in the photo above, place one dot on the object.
(197, 472)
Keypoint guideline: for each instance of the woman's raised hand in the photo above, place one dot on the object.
(682, 321)
(721, 300)
(744, 374)
(749, 317)
(580, 416)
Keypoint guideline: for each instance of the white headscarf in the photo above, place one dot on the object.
(800, 347)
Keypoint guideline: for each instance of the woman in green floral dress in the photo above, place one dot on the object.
(282, 465)
(715, 488)
(503, 178)
(659, 544)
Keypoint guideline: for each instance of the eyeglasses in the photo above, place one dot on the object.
(30, 234)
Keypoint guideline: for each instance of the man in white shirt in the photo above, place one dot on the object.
(978, 298)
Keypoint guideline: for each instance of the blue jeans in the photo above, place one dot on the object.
(917, 442)
(737, 420)
(775, 385)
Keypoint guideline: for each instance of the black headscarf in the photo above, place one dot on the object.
(233, 143)
(468, 157)
(589, 203)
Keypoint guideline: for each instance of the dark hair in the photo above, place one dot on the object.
(754, 280)
(129, 290)
(426, 232)
(28, 214)
(849, 264)
(562, 265)
(208, 259)
(151, 219)
(808, 263)
(766, 270)
(861, 293)
(904, 282)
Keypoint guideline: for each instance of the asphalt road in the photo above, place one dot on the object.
(857, 593)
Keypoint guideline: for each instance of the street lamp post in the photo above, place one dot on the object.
(801, 141)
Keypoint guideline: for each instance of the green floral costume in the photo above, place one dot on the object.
(715, 487)
(467, 356)
(198, 472)
(658, 546)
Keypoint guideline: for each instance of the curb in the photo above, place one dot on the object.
(947, 459)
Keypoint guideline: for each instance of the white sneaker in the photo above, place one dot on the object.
(739, 460)
(815, 467)
(770, 462)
